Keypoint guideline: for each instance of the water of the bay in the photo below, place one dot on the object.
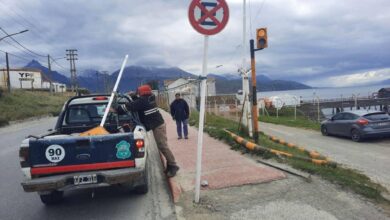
(327, 93)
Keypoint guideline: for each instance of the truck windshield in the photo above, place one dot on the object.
(90, 114)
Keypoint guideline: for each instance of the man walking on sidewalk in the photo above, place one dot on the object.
(180, 112)
(151, 118)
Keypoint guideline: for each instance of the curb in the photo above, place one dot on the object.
(313, 154)
(174, 186)
(252, 146)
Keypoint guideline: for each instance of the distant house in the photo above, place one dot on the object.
(28, 78)
(24, 78)
(384, 93)
(188, 88)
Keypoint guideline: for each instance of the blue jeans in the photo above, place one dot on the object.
(179, 126)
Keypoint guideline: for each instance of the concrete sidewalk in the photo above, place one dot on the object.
(221, 166)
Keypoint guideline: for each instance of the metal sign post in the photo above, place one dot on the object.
(201, 119)
(207, 17)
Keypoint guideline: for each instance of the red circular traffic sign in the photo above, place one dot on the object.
(208, 17)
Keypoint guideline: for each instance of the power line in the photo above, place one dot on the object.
(250, 19)
(32, 52)
(22, 51)
(30, 24)
(15, 55)
(19, 15)
(59, 65)
(260, 9)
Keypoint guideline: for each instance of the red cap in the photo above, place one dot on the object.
(144, 90)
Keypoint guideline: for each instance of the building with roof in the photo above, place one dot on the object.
(384, 93)
(28, 78)
(189, 89)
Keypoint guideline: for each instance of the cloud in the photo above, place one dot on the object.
(309, 41)
(356, 79)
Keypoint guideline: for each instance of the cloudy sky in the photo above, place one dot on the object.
(322, 43)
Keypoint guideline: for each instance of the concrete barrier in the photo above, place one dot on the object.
(254, 147)
(312, 154)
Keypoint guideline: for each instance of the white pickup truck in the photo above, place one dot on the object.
(63, 160)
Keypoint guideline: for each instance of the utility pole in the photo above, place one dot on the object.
(262, 42)
(254, 93)
(97, 81)
(105, 81)
(6, 55)
(8, 79)
(49, 78)
(245, 81)
(72, 56)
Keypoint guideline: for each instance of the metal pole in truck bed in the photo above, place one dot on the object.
(113, 92)
(100, 129)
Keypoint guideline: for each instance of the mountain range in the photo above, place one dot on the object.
(229, 83)
(133, 76)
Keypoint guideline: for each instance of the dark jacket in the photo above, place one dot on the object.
(147, 111)
(180, 110)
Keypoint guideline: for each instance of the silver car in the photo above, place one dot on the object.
(358, 124)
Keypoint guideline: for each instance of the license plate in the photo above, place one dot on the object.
(85, 179)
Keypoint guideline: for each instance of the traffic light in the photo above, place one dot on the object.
(261, 37)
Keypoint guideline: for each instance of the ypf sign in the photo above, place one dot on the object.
(208, 17)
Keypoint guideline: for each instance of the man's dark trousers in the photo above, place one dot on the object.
(179, 125)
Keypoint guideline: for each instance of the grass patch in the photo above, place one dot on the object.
(286, 117)
(344, 177)
(25, 104)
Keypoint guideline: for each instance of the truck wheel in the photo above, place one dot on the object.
(143, 189)
(53, 197)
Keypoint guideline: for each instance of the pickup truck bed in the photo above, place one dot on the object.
(63, 160)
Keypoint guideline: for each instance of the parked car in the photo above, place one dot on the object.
(358, 124)
(63, 160)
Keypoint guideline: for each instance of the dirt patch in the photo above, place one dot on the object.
(280, 200)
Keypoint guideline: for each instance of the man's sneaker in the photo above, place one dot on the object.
(179, 138)
(172, 170)
(185, 137)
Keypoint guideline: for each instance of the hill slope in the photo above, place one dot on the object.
(264, 83)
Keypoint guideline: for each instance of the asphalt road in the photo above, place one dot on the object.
(372, 157)
(107, 203)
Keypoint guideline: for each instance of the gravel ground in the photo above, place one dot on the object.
(290, 198)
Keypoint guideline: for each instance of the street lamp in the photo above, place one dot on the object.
(6, 56)
(9, 35)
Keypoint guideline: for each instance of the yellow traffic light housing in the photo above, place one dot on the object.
(261, 38)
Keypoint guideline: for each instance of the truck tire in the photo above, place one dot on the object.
(53, 197)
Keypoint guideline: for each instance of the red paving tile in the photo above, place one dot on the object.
(221, 166)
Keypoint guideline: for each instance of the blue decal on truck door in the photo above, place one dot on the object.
(123, 150)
